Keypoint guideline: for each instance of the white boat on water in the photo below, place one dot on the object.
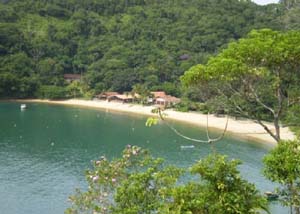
(187, 147)
(23, 106)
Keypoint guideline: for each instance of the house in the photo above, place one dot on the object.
(162, 99)
(72, 77)
(184, 57)
(167, 101)
(106, 95)
(157, 94)
(123, 98)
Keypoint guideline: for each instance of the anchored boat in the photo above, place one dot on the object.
(271, 195)
(187, 147)
(23, 106)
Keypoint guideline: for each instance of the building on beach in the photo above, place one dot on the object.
(162, 99)
(72, 77)
(159, 98)
(167, 101)
(123, 98)
(106, 95)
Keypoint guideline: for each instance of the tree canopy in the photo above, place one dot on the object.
(140, 183)
(282, 165)
(255, 77)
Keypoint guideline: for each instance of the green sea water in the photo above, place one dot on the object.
(45, 149)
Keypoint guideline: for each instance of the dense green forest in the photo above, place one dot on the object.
(233, 56)
(116, 45)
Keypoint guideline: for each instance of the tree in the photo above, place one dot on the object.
(8, 83)
(139, 183)
(51, 92)
(282, 165)
(126, 42)
(142, 91)
(50, 72)
(220, 189)
(290, 18)
(135, 183)
(74, 89)
(256, 76)
(289, 3)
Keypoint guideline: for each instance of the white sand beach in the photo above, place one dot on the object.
(244, 129)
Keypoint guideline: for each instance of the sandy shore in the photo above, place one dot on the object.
(245, 129)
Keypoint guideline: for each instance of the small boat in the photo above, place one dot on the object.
(187, 147)
(23, 106)
(271, 195)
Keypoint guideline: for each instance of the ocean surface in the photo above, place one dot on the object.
(45, 149)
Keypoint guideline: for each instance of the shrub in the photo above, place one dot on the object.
(51, 92)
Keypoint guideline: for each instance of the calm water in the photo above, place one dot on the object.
(45, 149)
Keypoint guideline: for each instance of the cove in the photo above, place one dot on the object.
(45, 149)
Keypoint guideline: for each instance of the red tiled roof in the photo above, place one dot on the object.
(158, 94)
(169, 98)
(172, 99)
(123, 96)
(109, 93)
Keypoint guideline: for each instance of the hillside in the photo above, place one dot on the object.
(117, 44)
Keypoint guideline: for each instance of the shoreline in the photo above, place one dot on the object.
(244, 129)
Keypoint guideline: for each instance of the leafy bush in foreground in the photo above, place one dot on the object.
(282, 165)
(139, 183)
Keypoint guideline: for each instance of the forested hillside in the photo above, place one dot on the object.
(118, 44)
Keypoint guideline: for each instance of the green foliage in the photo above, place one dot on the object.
(221, 189)
(118, 44)
(296, 130)
(290, 18)
(255, 76)
(8, 14)
(8, 84)
(74, 90)
(293, 116)
(282, 165)
(169, 88)
(186, 105)
(142, 92)
(148, 191)
(139, 183)
(51, 92)
(151, 121)
(258, 55)
(135, 183)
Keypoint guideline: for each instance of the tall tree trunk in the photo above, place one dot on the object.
(277, 128)
(277, 114)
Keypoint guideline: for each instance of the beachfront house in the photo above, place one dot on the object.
(158, 94)
(163, 100)
(105, 95)
(72, 77)
(122, 98)
(167, 101)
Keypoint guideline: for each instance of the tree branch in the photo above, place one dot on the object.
(267, 130)
(246, 114)
(209, 140)
(258, 100)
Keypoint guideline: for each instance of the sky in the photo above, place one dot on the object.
(264, 2)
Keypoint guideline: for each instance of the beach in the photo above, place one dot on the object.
(241, 128)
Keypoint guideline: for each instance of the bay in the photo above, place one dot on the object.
(45, 150)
